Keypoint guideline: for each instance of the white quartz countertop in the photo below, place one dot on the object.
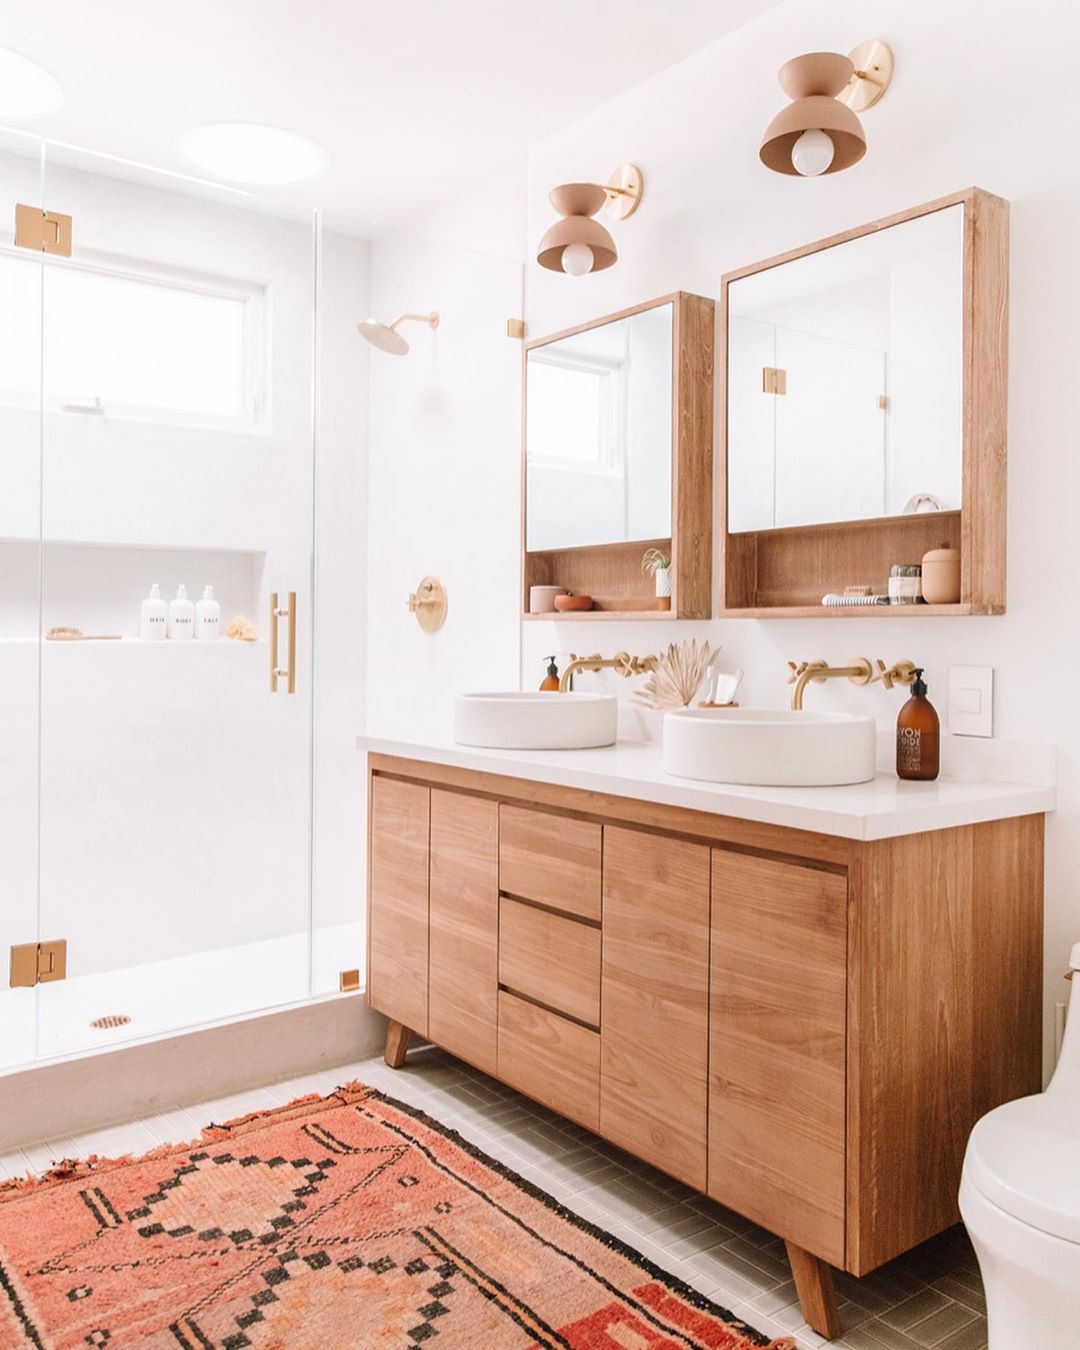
(881, 809)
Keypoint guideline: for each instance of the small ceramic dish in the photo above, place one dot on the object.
(572, 604)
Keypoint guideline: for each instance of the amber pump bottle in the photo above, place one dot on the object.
(918, 736)
(551, 679)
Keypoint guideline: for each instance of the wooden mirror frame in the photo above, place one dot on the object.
(611, 573)
(783, 572)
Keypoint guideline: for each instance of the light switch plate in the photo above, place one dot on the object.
(971, 700)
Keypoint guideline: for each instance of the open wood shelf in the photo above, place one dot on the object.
(783, 573)
(847, 612)
(593, 614)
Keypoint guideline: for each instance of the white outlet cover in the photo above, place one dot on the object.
(971, 700)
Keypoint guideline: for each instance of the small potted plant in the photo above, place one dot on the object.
(658, 563)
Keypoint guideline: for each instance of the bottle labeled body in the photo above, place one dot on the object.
(181, 616)
(207, 616)
(918, 736)
(153, 616)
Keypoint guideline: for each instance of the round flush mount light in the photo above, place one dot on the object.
(27, 90)
(247, 152)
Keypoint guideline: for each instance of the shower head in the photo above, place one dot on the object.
(385, 335)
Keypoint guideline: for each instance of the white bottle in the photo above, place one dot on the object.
(181, 616)
(207, 616)
(152, 616)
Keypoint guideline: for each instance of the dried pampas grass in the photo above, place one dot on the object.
(677, 676)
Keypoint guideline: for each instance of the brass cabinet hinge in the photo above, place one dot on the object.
(42, 231)
(38, 963)
(349, 981)
(515, 328)
(773, 381)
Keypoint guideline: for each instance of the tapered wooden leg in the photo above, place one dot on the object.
(814, 1285)
(397, 1043)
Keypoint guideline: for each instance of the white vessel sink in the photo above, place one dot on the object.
(536, 721)
(769, 748)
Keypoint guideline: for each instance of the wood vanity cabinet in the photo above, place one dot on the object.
(802, 1026)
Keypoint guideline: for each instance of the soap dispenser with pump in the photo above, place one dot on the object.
(181, 616)
(207, 616)
(550, 682)
(918, 736)
(153, 616)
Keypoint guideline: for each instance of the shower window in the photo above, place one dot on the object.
(138, 343)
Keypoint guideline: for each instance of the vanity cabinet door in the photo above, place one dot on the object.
(398, 902)
(777, 1047)
(654, 1009)
(463, 953)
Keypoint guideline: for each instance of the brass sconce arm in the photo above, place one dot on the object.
(622, 663)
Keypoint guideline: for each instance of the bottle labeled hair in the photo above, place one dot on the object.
(550, 682)
(918, 736)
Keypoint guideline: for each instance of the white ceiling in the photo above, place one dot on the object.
(415, 99)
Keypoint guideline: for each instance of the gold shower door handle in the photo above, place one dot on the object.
(288, 672)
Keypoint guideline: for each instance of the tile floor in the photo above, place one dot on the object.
(930, 1298)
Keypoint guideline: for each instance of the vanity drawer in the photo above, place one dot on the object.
(550, 958)
(552, 859)
(554, 1061)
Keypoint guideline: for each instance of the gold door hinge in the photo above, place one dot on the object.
(42, 231)
(349, 981)
(38, 963)
(773, 381)
(883, 402)
(515, 328)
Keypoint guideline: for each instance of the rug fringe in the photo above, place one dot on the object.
(73, 1169)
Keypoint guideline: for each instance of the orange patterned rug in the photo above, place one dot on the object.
(334, 1223)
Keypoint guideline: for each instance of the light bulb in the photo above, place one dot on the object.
(812, 153)
(577, 259)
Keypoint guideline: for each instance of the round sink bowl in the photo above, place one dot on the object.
(535, 721)
(769, 748)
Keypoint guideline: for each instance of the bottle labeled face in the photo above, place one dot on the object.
(207, 616)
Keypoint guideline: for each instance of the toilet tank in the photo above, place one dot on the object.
(1067, 1074)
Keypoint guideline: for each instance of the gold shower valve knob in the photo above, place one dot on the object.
(428, 603)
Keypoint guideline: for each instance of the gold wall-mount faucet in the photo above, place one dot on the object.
(859, 671)
(622, 662)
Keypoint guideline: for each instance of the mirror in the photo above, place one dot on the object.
(845, 388)
(598, 429)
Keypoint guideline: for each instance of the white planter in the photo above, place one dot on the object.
(663, 582)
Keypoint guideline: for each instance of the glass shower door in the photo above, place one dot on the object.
(177, 453)
(20, 592)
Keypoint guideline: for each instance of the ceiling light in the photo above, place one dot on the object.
(818, 132)
(27, 90)
(577, 244)
(248, 153)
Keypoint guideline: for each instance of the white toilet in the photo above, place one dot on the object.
(1020, 1198)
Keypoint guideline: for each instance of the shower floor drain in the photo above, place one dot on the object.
(109, 1022)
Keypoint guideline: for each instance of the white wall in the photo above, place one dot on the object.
(711, 207)
(445, 461)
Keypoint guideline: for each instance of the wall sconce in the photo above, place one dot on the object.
(818, 131)
(578, 244)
